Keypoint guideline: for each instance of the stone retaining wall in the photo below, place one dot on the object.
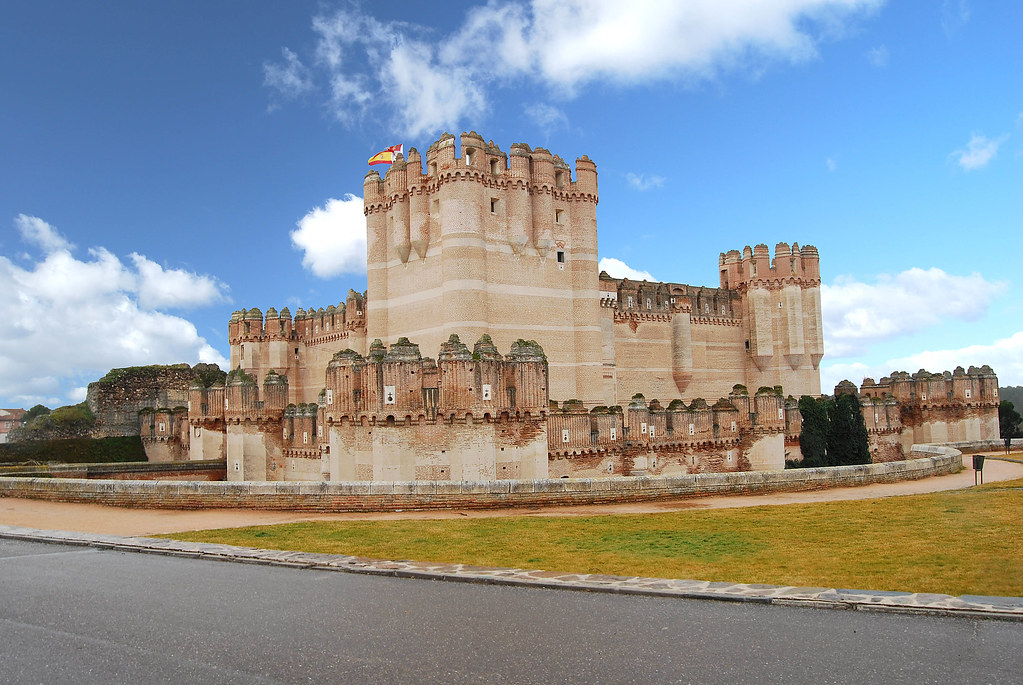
(210, 470)
(389, 496)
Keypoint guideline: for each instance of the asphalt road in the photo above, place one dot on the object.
(82, 615)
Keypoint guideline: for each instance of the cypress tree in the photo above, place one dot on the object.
(813, 438)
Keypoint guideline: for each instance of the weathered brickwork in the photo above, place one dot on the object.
(905, 409)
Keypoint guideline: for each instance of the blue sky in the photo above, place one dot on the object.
(162, 165)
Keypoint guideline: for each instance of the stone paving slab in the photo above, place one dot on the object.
(1005, 608)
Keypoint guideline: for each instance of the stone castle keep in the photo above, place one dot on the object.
(499, 251)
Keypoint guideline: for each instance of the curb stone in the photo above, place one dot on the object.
(1002, 608)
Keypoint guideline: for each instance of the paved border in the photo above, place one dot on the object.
(1003, 608)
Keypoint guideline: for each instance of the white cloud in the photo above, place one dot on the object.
(290, 79)
(159, 287)
(1005, 356)
(857, 315)
(642, 182)
(68, 321)
(878, 56)
(435, 81)
(333, 238)
(831, 164)
(616, 268)
(979, 151)
(35, 230)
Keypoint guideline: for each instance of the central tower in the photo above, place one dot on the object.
(488, 242)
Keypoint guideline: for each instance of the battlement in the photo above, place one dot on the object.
(524, 167)
(251, 325)
(399, 384)
(653, 297)
(967, 387)
(791, 265)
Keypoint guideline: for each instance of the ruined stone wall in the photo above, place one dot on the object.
(117, 398)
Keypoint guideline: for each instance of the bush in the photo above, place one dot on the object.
(74, 451)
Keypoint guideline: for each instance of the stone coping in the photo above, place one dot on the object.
(1004, 608)
(322, 496)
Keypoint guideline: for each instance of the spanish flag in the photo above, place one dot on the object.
(387, 156)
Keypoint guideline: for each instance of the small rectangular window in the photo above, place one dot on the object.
(493, 167)
(650, 431)
(648, 303)
(557, 215)
(561, 256)
(493, 205)
(642, 428)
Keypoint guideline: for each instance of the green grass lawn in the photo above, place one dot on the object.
(957, 542)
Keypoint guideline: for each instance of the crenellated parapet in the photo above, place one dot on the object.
(530, 194)
(237, 400)
(397, 384)
(973, 387)
(754, 267)
(252, 326)
(573, 431)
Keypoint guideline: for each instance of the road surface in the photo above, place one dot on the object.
(85, 615)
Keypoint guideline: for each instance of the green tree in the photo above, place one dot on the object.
(847, 435)
(813, 438)
(1009, 420)
(38, 410)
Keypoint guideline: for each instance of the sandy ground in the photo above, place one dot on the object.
(94, 518)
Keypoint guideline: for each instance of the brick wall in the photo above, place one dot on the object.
(385, 496)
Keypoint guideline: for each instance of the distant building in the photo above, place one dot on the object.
(9, 420)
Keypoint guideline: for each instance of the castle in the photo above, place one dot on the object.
(506, 245)
(500, 249)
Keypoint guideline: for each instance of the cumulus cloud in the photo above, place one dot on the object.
(159, 287)
(619, 269)
(856, 315)
(430, 81)
(35, 231)
(69, 320)
(642, 182)
(333, 238)
(1005, 356)
(978, 152)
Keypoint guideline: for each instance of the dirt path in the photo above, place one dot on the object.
(94, 518)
